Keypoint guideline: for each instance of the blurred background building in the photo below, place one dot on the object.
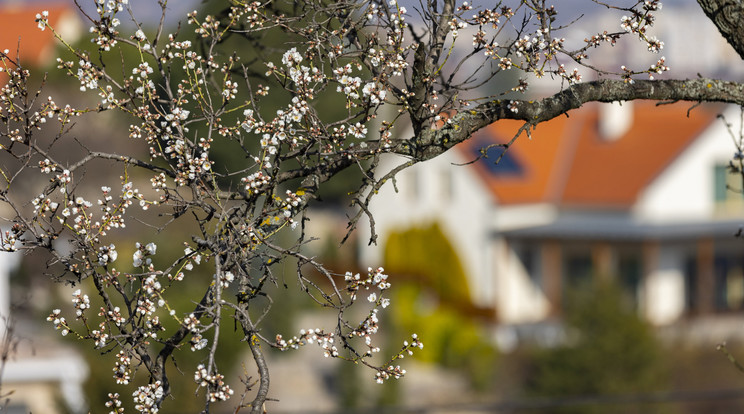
(486, 258)
(633, 191)
(39, 373)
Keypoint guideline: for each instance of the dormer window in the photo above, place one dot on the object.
(507, 166)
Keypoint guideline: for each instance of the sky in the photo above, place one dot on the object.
(146, 10)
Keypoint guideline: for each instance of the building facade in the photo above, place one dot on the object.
(635, 192)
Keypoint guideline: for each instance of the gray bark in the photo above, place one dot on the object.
(726, 15)
(431, 143)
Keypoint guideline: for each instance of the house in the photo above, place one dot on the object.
(40, 372)
(25, 41)
(633, 191)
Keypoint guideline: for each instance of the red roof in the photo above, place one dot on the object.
(567, 161)
(21, 35)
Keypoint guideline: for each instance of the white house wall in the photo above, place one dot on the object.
(8, 263)
(665, 287)
(685, 190)
(513, 217)
(518, 299)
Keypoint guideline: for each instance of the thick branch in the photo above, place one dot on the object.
(426, 60)
(728, 16)
(170, 345)
(121, 158)
(257, 406)
(431, 143)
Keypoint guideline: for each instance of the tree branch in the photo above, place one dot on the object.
(257, 406)
(431, 143)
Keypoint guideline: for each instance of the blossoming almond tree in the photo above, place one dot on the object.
(386, 65)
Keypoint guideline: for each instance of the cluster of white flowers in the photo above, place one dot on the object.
(140, 256)
(603, 37)
(255, 181)
(42, 204)
(488, 19)
(47, 166)
(182, 118)
(113, 315)
(349, 85)
(105, 27)
(64, 177)
(396, 372)
(147, 398)
(87, 75)
(10, 238)
(122, 368)
(215, 384)
(81, 302)
(226, 278)
(150, 300)
(191, 322)
(139, 36)
(659, 67)
(230, 89)
(572, 77)
(375, 92)
(327, 341)
(192, 258)
(455, 25)
(358, 131)
(250, 122)
(107, 254)
(640, 22)
(376, 278)
(197, 342)
(143, 70)
(100, 336)
(115, 403)
(309, 336)
(42, 20)
(292, 57)
(210, 27)
(59, 322)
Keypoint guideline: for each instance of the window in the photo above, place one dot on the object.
(508, 164)
(577, 269)
(691, 283)
(630, 273)
(728, 193)
(720, 188)
(729, 283)
(530, 260)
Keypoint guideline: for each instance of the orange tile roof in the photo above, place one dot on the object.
(568, 163)
(21, 36)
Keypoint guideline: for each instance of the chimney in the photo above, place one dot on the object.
(615, 119)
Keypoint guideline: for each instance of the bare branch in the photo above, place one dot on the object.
(463, 125)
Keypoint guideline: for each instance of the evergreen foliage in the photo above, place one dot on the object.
(609, 350)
